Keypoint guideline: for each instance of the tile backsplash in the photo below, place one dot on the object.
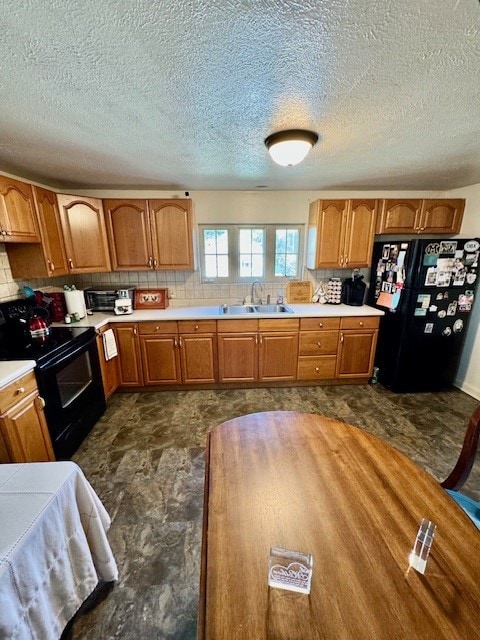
(185, 287)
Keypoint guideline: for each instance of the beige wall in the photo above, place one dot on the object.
(468, 374)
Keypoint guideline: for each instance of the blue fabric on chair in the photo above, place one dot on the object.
(471, 508)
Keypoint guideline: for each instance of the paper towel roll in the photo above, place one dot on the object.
(75, 303)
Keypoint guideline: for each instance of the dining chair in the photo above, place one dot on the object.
(462, 469)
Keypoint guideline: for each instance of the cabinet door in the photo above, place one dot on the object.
(160, 359)
(198, 358)
(18, 221)
(84, 232)
(109, 368)
(237, 357)
(46, 259)
(128, 232)
(129, 364)
(326, 233)
(356, 353)
(362, 216)
(442, 216)
(25, 431)
(172, 230)
(278, 356)
(399, 216)
(51, 230)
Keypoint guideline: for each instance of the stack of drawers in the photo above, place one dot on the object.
(318, 348)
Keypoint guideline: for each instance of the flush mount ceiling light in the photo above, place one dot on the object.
(290, 147)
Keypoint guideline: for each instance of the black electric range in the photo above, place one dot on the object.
(15, 342)
(60, 342)
(67, 371)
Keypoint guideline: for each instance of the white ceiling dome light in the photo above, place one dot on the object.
(290, 147)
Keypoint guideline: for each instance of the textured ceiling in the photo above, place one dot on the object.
(181, 93)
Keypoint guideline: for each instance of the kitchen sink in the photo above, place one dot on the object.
(273, 308)
(237, 309)
(246, 309)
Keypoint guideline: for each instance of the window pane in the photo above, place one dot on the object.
(216, 253)
(211, 266)
(222, 241)
(286, 252)
(292, 240)
(280, 240)
(222, 266)
(257, 266)
(252, 253)
(245, 240)
(257, 240)
(209, 239)
(291, 266)
(279, 266)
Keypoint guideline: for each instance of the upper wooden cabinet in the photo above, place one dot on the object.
(340, 233)
(420, 216)
(47, 259)
(150, 234)
(84, 233)
(442, 216)
(18, 222)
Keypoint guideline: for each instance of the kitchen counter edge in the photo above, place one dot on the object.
(99, 319)
(11, 370)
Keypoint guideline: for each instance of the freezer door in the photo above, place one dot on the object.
(447, 263)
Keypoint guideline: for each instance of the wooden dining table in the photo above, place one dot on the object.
(308, 483)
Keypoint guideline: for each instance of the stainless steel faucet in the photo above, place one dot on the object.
(253, 291)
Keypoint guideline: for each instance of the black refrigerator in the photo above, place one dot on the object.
(427, 289)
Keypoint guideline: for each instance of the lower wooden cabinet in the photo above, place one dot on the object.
(109, 368)
(250, 350)
(23, 429)
(357, 344)
(245, 351)
(318, 344)
(129, 363)
(198, 351)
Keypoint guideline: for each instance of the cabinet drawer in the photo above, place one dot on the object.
(17, 390)
(359, 322)
(197, 326)
(165, 326)
(314, 324)
(321, 368)
(318, 343)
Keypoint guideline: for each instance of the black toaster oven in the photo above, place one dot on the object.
(103, 298)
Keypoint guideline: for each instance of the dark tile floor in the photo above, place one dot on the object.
(145, 459)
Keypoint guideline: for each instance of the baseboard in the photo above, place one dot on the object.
(467, 388)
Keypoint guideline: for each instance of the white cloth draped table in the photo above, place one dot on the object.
(53, 547)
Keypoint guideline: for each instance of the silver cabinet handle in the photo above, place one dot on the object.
(41, 402)
(150, 262)
(154, 263)
(70, 263)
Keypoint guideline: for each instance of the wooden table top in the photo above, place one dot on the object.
(308, 483)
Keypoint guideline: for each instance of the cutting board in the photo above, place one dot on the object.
(299, 292)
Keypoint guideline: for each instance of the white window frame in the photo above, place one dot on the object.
(233, 253)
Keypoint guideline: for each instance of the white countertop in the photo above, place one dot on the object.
(12, 369)
(98, 319)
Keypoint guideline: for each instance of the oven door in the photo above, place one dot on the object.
(74, 399)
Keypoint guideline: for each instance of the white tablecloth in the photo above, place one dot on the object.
(53, 547)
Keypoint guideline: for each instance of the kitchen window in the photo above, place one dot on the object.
(242, 253)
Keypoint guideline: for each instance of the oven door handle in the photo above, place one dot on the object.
(69, 355)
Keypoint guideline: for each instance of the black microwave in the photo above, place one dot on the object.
(103, 298)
